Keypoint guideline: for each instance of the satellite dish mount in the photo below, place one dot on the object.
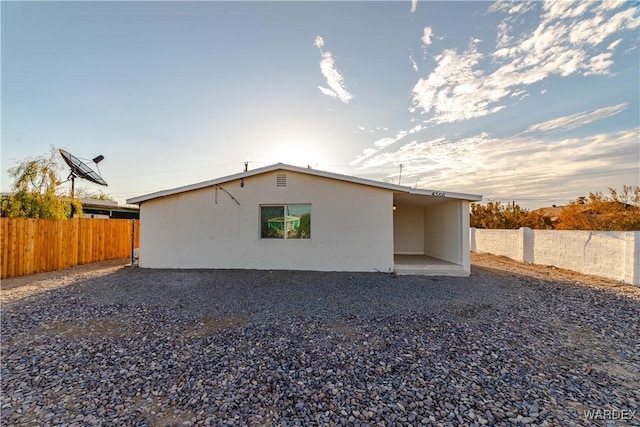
(79, 169)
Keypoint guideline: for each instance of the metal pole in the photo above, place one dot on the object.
(73, 184)
(133, 237)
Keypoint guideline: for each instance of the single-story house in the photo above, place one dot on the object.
(283, 217)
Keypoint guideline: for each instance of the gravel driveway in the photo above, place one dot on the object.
(510, 345)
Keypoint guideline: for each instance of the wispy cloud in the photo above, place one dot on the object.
(413, 62)
(335, 81)
(383, 143)
(518, 166)
(456, 90)
(576, 120)
(570, 38)
(427, 34)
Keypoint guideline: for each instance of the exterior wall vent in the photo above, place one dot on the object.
(281, 180)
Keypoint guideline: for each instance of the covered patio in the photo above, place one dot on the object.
(425, 265)
(430, 234)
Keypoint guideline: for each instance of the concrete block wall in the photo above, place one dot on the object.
(610, 254)
(509, 243)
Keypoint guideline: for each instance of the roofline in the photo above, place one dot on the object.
(308, 171)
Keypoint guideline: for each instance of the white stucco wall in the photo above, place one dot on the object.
(408, 230)
(445, 233)
(611, 254)
(351, 227)
(591, 252)
(507, 243)
(438, 230)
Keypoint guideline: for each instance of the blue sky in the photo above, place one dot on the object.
(529, 101)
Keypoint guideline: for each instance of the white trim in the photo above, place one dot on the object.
(307, 171)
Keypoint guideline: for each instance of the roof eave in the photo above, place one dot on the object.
(281, 166)
(446, 194)
(197, 185)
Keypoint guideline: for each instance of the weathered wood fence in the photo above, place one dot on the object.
(38, 245)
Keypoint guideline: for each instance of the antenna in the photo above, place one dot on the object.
(80, 169)
(400, 177)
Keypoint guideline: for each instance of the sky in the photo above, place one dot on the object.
(532, 102)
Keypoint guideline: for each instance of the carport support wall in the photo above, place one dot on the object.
(445, 232)
(611, 254)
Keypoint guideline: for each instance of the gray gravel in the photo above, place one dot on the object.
(162, 347)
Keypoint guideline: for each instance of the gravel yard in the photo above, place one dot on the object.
(513, 344)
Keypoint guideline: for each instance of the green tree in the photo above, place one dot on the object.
(35, 190)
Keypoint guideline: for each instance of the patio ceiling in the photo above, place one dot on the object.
(418, 199)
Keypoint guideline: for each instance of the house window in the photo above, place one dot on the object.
(285, 222)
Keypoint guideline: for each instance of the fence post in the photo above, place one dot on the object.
(632, 257)
(528, 246)
(472, 239)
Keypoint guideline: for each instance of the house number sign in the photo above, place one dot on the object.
(439, 193)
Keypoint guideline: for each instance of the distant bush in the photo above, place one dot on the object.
(617, 211)
(498, 215)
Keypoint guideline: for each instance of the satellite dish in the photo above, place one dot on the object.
(80, 169)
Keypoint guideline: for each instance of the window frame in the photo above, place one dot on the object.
(284, 207)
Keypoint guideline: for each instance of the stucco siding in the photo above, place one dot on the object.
(351, 227)
(162, 248)
(591, 252)
(408, 230)
(611, 254)
(443, 231)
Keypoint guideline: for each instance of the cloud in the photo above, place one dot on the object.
(366, 153)
(416, 128)
(576, 120)
(414, 5)
(426, 36)
(514, 167)
(503, 38)
(335, 81)
(318, 42)
(570, 38)
(520, 94)
(600, 64)
(511, 7)
(456, 90)
(382, 143)
(413, 62)
(614, 45)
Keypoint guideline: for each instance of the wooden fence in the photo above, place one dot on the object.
(38, 245)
